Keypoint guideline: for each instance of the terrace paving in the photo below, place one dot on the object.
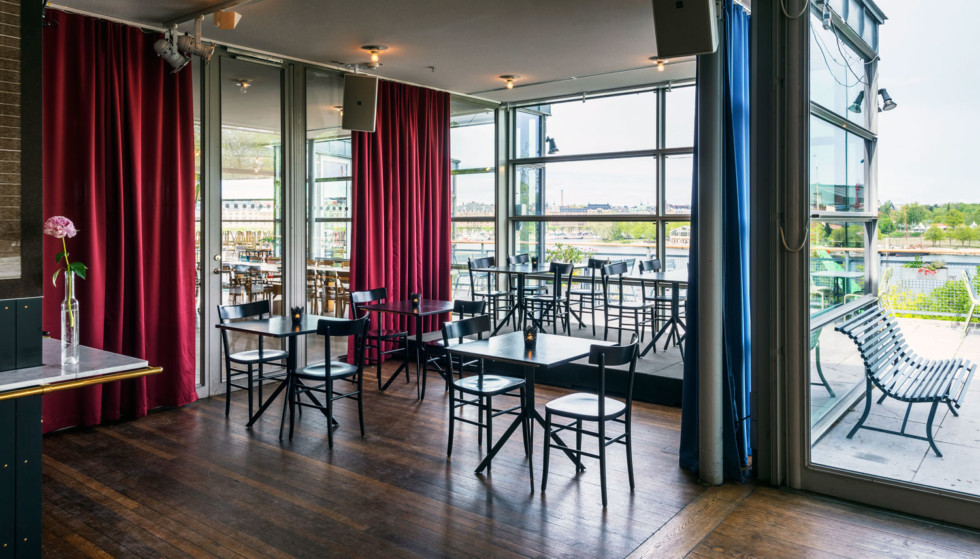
(891, 456)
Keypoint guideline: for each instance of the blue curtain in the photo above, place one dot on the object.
(735, 228)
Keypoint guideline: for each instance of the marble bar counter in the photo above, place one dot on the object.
(21, 393)
(91, 363)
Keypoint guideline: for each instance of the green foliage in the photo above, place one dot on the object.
(950, 297)
(915, 263)
(961, 233)
(886, 226)
(934, 234)
(633, 230)
(561, 252)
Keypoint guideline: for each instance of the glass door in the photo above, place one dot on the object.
(248, 248)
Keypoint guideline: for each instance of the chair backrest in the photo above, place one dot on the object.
(465, 309)
(360, 298)
(650, 265)
(459, 329)
(613, 272)
(593, 267)
(256, 310)
(612, 356)
(562, 273)
(472, 265)
(519, 259)
(342, 328)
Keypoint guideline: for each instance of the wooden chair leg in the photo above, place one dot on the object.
(547, 450)
(360, 403)
(602, 460)
(452, 420)
(329, 386)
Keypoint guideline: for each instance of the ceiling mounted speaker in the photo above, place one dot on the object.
(685, 27)
(360, 99)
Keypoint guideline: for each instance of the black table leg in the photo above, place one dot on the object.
(290, 370)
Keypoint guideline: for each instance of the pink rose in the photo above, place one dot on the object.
(59, 227)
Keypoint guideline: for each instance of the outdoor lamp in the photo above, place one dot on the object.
(887, 102)
(856, 105)
(530, 337)
(552, 147)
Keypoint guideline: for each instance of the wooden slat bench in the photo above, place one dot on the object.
(898, 372)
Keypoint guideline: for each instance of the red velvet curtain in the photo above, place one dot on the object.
(119, 162)
(402, 198)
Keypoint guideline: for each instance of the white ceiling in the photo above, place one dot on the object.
(555, 44)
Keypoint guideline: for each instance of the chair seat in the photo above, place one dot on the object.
(492, 294)
(540, 298)
(628, 305)
(338, 369)
(253, 356)
(584, 406)
(597, 293)
(491, 385)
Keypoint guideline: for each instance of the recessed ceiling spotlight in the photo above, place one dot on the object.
(375, 58)
(509, 78)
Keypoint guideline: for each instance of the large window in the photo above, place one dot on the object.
(472, 140)
(607, 177)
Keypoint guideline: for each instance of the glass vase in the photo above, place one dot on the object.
(70, 323)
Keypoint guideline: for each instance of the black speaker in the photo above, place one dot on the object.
(360, 100)
(685, 27)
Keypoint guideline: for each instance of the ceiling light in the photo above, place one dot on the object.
(243, 85)
(339, 109)
(661, 63)
(509, 78)
(887, 102)
(226, 20)
(856, 105)
(375, 58)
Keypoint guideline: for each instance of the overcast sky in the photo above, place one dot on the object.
(927, 145)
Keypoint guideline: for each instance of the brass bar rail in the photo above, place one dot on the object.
(78, 383)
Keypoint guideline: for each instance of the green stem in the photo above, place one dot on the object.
(68, 283)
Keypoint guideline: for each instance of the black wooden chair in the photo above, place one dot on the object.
(482, 387)
(434, 347)
(595, 408)
(660, 300)
(255, 360)
(519, 259)
(589, 297)
(497, 300)
(551, 307)
(323, 375)
(620, 311)
(378, 336)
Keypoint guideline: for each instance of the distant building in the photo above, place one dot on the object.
(681, 236)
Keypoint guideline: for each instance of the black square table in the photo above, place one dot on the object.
(427, 307)
(549, 351)
(278, 327)
(520, 271)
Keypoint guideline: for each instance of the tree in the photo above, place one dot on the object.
(915, 213)
(885, 226)
(962, 234)
(934, 234)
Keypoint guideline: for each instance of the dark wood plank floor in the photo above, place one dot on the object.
(189, 482)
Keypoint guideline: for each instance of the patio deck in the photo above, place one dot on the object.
(881, 454)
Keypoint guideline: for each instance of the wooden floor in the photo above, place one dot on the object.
(189, 482)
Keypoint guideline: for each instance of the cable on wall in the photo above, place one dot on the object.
(782, 4)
